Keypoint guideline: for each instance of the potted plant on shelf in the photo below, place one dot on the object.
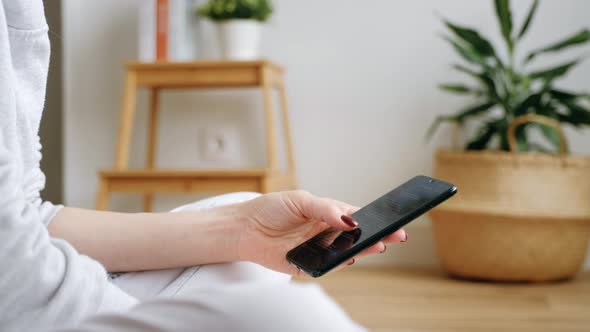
(523, 208)
(239, 25)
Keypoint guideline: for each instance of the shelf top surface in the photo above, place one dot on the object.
(198, 64)
(164, 173)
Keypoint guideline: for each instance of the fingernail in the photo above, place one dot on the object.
(349, 221)
(351, 262)
(384, 248)
(406, 238)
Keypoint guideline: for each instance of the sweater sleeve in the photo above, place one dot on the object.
(27, 46)
(47, 210)
(44, 281)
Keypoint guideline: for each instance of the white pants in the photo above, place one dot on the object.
(238, 296)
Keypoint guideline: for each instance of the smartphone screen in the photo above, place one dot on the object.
(380, 218)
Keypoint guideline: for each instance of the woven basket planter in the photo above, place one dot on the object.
(516, 216)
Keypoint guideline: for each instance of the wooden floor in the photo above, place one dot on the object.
(386, 299)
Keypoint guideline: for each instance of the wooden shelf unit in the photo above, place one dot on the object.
(263, 74)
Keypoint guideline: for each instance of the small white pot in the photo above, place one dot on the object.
(239, 39)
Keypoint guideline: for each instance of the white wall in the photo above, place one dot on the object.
(362, 79)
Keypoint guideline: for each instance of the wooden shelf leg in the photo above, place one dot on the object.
(148, 202)
(264, 186)
(269, 119)
(102, 198)
(126, 121)
(152, 139)
(291, 173)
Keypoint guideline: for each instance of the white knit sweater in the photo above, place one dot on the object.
(44, 282)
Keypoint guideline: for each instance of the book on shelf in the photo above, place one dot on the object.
(167, 30)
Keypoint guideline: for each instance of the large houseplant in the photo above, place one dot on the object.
(523, 212)
(239, 25)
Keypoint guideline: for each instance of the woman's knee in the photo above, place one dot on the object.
(240, 308)
(263, 307)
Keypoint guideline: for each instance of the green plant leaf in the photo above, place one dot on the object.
(479, 44)
(502, 129)
(552, 136)
(221, 10)
(473, 110)
(467, 71)
(521, 137)
(578, 38)
(459, 88)
(436, 123)
(576, 115)
(536, 147)
(563, 95)
(550, 133)
(517, 92)
(528, 20)
(482, 139)
(533, 101)
(573, 119)
(548, 109)
(467, 52)
(459, 117)
(483, 78)
(505, 20)
(551, 74)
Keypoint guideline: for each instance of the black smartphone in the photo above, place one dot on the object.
(380, 218)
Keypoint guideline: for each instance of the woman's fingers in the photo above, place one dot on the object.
(338, 215)
(346, 264)
(381, 246)
(397, 237)
(330, 211)
(334, 213)
(346, 208)
(378, 248)
(296, 272)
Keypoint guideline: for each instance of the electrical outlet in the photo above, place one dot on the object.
(221, 144)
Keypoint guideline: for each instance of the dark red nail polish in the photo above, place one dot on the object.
(351, 262)
(406, 238)
(349, 221)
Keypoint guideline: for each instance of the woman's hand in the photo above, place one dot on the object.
(278, 222)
